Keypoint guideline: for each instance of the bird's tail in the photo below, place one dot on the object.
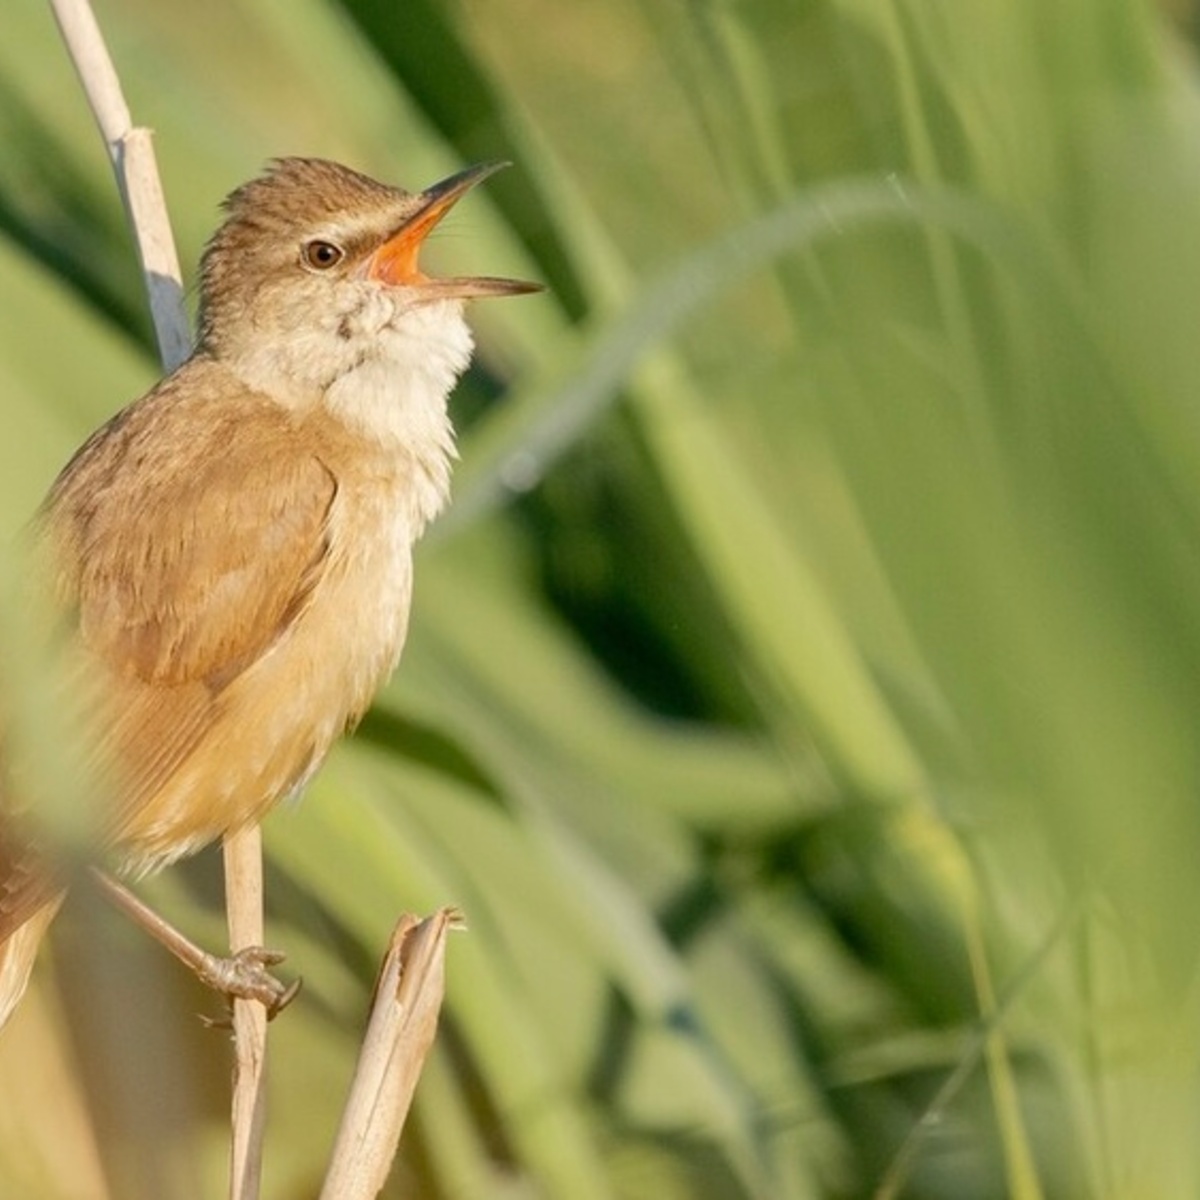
(17, 954)
(30, 895)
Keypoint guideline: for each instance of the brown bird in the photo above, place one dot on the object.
(232, 552)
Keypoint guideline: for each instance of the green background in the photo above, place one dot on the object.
(802, 694)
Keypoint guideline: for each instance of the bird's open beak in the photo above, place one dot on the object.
(395, 262)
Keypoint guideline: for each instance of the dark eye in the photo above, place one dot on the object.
(322, 255)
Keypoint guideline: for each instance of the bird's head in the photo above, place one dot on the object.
(315, 272)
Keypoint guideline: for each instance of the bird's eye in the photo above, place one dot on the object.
(321, 255)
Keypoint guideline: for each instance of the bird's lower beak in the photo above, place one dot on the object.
(395, 262)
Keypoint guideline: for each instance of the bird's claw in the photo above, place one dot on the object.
(246, 976)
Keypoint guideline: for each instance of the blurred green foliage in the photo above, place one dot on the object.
(801, 697)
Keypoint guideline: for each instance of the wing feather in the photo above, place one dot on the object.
(189, 536)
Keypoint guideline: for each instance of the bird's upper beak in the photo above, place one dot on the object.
(395, 262)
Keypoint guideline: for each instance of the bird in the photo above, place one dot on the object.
(229, 558)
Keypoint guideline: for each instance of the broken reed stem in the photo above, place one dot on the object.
(401, 1029)
(131, 150)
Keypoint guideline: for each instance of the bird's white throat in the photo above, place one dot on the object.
(384, 369)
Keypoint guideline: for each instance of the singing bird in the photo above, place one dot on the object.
(231, 553)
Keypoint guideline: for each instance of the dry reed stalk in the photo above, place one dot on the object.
(403, 1022)
(244, 912)
(131, 150)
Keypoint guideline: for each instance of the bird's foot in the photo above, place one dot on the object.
(243, 975)
(246, 975)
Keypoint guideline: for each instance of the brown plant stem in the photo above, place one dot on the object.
(401, 1029)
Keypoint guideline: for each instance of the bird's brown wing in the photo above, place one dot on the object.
(189, 536)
